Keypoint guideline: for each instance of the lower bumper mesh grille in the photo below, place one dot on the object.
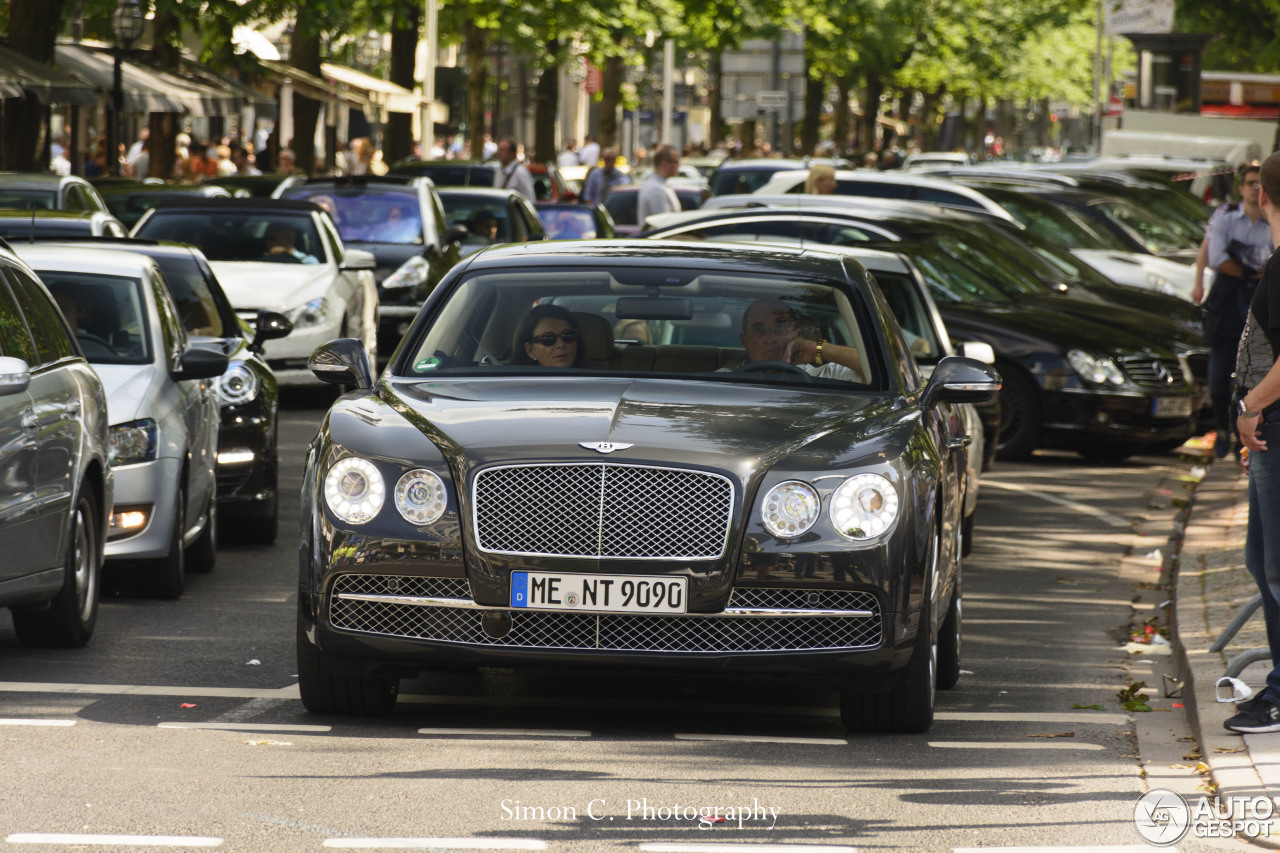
(460, 623)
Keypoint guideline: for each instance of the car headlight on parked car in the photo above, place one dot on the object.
(412, 273)
(133, 442)
(790, 509)
(864, 506)
(354, 490)
(313, 313)
(421, 497)
(1098, 369)
(1161, 284)
(237, 386)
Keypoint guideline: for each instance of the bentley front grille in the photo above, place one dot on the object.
(602, 511)
(442, 610)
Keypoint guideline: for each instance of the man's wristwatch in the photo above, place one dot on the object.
(817, 354)
(1243, 411)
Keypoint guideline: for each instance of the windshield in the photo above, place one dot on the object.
(1152, 232)
(27, 199)
(647, 321)
(107, 313)
(197, 305)
(950, 279)
(242, 235)
(1058, 224)
(368, 214)
(568, 223)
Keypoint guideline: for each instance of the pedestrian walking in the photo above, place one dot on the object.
(512, 174)
(655, 195)
(603, 179)
(1258, 425)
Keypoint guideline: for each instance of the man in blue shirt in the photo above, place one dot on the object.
(604, 179)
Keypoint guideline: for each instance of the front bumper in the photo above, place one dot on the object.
(247, 464)
(152, 486)
(1074, 417)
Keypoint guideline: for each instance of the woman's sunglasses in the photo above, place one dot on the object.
(548, 339)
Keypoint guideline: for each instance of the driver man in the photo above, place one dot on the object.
(279, 240)
(771, 331)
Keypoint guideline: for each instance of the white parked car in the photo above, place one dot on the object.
(895, 185)
(284, 256)
(161, 407)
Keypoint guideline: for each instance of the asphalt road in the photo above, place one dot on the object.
(179, 726)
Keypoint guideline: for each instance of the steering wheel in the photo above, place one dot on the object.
(782, 366)
(92, 345)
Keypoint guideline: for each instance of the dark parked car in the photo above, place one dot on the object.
(56, 486)
(401, 222)
(246, 186)
(491, 216)
(450, 173)
(129, 200)
(734, 177)
(697, 506)
(622, 202)
(41, 225)
(46, 191)
(570, 221)
(247, 465)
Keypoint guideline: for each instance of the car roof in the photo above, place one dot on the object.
(477, 192)
(846, 205)
(37, 179)
(40, 214)
(237, 204)
(150, 248)
(54, 256)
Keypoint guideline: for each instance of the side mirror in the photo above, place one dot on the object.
(958, 379)
(456, 233)
(978, 351)
(200, 363)
(359, 259)
(270, 325)
(342, 362)
(15, 376)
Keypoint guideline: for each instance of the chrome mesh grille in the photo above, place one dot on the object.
(608, 631)
(1156, 372)
(602, 511)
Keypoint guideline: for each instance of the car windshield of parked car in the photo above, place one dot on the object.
(107, 313)
(647, 321)
(485, 219)
(366, 214)
(952, 280)
(1057, 223)
(568, 223)
(197, 306)
(236, 235)
(1149, 230)
(26, 199)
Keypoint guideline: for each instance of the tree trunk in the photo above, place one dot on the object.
(397, 143)
(715, 99)
(33, 29)
(871, 110)
(304, 54)
(547, 97)
(813, 94)
(164, 151)
(929, 121)
(840, 132)
(610, 97)
(747, 137)
(477, 83)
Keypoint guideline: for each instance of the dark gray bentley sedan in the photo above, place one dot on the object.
(623, 454)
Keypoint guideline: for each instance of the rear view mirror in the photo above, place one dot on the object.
(342, 362)
(957, 379)
(200, 363)
(270, 326)
(654, 308)
(358, 259)
(457, 234)
(15, 376)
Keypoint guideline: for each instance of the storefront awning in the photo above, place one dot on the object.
(145, 89)
(392, 97)
(312, 86)
(22, 77)
(263, 106)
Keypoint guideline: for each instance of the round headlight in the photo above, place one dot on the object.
(1097, 369)
(863, 507)
(421, 497)
(790, 509)
(237, 386)
(354, 490)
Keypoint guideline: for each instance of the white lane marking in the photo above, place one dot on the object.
(113, 840)
(1032, 717)
(508, 732)
(246, 727)
(816, 741)
(290, 692)
(37, 722)
(1115, 848)
(712, 847)
(429, 843)
(1010, 744)
(1100, 514)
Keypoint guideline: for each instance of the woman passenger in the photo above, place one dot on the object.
(549, 335)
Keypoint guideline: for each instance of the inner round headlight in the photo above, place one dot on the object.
(421, 497)
(1097, 369)
(354, 490)
(237, 386)
(790, 509)
(864, 506)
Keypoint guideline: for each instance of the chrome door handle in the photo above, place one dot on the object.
(29, 420)
(73, 409)
(958, 441)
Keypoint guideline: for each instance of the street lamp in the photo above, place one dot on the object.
(369, 50)
(126, 23)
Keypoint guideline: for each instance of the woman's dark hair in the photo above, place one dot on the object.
(530, 322)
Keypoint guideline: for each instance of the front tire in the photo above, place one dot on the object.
(72, 614)
(323, 692)
(1020, 415)
(204, 551)
(166, 576)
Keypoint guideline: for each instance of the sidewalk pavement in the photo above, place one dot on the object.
(1212, 588)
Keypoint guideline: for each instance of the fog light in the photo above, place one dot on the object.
(128, 521)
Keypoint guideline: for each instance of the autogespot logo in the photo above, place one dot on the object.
(1162, 816)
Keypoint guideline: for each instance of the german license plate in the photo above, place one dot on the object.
(1171, 407)
(598, 593)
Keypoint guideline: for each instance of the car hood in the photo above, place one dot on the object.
(1133, 268)
(128, 388)
(697, 423)
(1153, 328)
(389, 256)
(1016, 331)
(276, 287)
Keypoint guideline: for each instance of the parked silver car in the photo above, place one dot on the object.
(56, 487)
(160, 403)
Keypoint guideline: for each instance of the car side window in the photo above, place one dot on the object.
(48, 328)
(937, 196)
(15, 338)
(171, 331)
(75, 199)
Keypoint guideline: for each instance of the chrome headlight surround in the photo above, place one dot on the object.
(864, 507)
(412, 273)
(133, 442)
(354, 490)
(237, 386)
(790, 509)
(1098, 369)
(421, 496)
(314, 313)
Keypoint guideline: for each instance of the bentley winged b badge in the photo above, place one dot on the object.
(603, 446)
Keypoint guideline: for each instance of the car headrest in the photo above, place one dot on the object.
(597, 338)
